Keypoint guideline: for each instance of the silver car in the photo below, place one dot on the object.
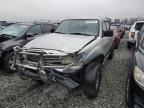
(73, 55)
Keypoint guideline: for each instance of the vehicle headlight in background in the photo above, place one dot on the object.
(131, 34)
(139, 76)
(68, 59)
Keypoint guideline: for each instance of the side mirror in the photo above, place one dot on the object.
(52, 30)
(29, 34)
(108, 33)
(131, 42)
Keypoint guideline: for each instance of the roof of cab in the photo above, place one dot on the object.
(98, 18)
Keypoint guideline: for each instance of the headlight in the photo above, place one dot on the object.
(139, 76)
(68, 59)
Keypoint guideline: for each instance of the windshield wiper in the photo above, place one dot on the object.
(7, 35)
(60, 32)
(81, 34)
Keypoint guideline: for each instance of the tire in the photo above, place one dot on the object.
(8, 62)
(111, 53)
(116, 46)
(128, 46)
(92, 79)
(130, 84)
(128, 94)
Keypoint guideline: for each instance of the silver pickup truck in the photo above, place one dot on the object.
(73, 55)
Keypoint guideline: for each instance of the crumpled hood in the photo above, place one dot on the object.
(64, 42)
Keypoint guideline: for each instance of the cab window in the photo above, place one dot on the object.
(104, 27)
(47, 28)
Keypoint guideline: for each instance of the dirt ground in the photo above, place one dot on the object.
(18, 93)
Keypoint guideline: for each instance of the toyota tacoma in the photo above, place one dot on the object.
(73, 55)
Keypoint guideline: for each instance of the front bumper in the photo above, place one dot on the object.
(51, 75)
(62, 74)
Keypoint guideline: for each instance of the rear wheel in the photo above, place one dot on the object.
(128, 46)
(8, 63)
(92, 79)
(111, 53)
(116, 46)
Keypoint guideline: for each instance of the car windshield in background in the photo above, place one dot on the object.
(14, 30)
(79, 27)
(113, 27)
(139, 26)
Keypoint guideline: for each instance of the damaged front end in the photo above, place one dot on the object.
(55, 65)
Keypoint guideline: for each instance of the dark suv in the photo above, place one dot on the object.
(135, 81)
(18, 35)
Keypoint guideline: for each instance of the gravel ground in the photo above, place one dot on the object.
(17, 93)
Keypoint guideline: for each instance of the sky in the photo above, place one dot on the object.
(22, 10)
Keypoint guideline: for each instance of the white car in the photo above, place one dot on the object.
(136, 27)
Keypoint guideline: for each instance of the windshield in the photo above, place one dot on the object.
(14, 30)
(79, 27)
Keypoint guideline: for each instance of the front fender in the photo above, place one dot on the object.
(7, 48)
(92, 55)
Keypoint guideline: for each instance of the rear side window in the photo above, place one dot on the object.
(47, 28)
(36, 30)
(107, 25)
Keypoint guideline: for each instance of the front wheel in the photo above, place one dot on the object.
(92, 79)
(8, 63)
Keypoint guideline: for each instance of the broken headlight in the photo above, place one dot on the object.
(68, 59)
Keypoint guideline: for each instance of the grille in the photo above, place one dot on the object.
(47, 60)
(32, 58)
(52, 60)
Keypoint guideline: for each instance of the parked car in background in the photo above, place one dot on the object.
(135, 80)
(136, 27)
(127, 27)
(72, 56)
(117, 35)
(122, 30)
(18, 35)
